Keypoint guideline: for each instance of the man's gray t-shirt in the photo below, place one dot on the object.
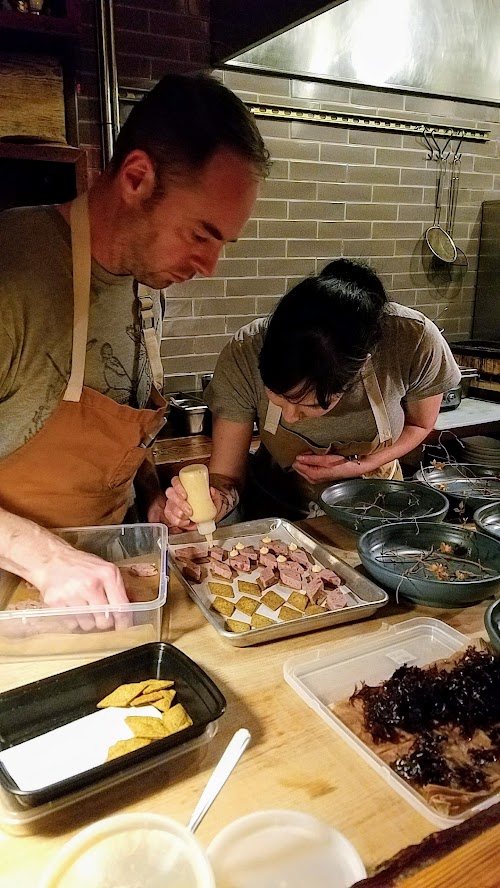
(36, 326)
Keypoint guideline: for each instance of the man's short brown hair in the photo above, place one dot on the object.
(184, 120)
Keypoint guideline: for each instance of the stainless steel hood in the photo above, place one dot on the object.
(436, 47)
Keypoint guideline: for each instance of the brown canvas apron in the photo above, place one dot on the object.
(285, 445)
(79, 468)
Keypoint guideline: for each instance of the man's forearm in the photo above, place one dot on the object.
(25, 546)
(229, 491)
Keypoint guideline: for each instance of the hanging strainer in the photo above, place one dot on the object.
(437, 238)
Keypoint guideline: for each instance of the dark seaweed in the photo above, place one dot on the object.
(421, 701)
(425, 763)
(482, 756)
(416, 700)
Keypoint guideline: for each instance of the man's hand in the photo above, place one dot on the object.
(67, 577)
(177, 513)
(156, 509)
(330, 467)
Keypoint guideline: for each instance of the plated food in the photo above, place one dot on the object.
(437, 727)
(289, 582)
(268, 579)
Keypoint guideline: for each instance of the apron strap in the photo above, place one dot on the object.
(150, 337)
(81, 252)
(273, 416)
(374, 395)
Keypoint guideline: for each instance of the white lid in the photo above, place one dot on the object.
(270, 848)
(131, 851)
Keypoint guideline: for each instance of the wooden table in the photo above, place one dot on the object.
(294, 760)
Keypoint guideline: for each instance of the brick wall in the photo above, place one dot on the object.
(335, 191)
(332, 191)
(151, 38)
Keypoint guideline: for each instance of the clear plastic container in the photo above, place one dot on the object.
(326, 675)
(32, 632)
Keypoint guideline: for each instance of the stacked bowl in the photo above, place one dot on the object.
(482, 450)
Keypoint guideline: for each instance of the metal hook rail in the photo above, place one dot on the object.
(340, 118)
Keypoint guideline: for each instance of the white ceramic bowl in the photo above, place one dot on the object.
(131, 851)
(283, 849)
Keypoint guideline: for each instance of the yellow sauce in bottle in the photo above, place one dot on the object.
(195, 482)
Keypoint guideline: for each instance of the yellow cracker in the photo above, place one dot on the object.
(223, 606)
(124, 746)
(258, 621)
(144, 699)
(158, 684)
(237, 626)
(272, 600)
(221, 589)
(146, 726)
(298, 600)
(123, 695)
(247, 588)
(247, 605)
(289, 613)
(166, 701)
(176, 719)
(314, 609)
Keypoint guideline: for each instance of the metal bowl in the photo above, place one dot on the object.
(492, 623)
(487, 520)
(471, 484)
(392, 554)
(363, 503)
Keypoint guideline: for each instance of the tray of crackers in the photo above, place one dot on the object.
(268, 579)
(77, 728)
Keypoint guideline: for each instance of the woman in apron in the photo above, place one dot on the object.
(341, 382)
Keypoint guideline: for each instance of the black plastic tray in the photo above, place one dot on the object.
(42, 706)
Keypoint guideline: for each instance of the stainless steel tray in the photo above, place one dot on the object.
(364, 597)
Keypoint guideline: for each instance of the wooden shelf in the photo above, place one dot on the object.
(64, 27)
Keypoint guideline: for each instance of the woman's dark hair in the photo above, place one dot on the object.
(183, 120)
(321, 332)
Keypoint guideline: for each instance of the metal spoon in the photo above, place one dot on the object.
(230, 757)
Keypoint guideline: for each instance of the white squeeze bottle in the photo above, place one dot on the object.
(195, 482)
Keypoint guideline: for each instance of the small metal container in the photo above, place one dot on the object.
(188, 415)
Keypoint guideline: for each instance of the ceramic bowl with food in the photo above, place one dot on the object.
(439, 565)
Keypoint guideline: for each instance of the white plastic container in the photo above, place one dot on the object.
(50, 632)
(131, 851)
(325, 675)
(274, 848)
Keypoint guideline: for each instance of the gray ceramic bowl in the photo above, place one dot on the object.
(492, 623)
(389, 554)
(469, 483)
(487, 520)
(363, 503)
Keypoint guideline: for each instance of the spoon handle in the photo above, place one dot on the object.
(225, 765)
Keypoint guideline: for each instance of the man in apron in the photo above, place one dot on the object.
(341, 382)
(80, 369)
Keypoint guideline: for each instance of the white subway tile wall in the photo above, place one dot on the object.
(335, 191)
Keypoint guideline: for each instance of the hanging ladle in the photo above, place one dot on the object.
(437, 238)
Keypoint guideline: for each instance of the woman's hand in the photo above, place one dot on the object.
(329, 467)
(177, 513)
